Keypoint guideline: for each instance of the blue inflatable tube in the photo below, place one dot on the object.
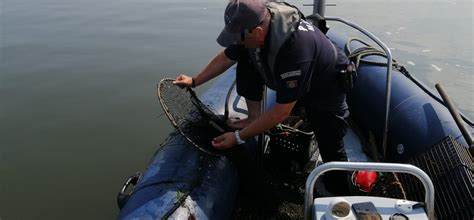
(178, 169)
(417, 121)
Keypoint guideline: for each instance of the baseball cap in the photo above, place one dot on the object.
(240, 15)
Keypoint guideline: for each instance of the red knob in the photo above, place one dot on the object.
(365, 179)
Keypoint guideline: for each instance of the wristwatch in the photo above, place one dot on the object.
(237, 137)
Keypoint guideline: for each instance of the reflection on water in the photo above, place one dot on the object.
(77, 78)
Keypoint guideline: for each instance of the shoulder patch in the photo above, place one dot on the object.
(290, 74)
(301, 28)
(307, 26)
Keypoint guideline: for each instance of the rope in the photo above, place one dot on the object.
(358, 54)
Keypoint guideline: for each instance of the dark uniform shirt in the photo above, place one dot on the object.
(305, 65)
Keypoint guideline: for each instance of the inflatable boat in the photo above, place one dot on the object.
(397, 125)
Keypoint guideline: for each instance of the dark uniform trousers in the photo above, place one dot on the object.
(329, 124)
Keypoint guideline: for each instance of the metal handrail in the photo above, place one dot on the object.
(388, 90)
(261, 138)
(380, 167)
(227, 98)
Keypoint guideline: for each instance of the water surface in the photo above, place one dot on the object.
(78, 110)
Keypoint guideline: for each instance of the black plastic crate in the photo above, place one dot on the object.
(450, 167)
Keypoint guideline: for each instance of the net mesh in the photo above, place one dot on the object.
(194, 120)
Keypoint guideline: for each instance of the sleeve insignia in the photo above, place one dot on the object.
(290, 74)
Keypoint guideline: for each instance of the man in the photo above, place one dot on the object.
(273, 45)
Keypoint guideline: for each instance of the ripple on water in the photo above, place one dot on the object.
(436, 68)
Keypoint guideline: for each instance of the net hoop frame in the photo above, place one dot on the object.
(173, 121)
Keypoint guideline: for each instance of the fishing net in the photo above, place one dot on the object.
(194, 120)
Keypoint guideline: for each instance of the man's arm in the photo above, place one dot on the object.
(217, 66)
(268, 120)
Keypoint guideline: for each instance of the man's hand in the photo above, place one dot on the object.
(224, 141)
(183, 80)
